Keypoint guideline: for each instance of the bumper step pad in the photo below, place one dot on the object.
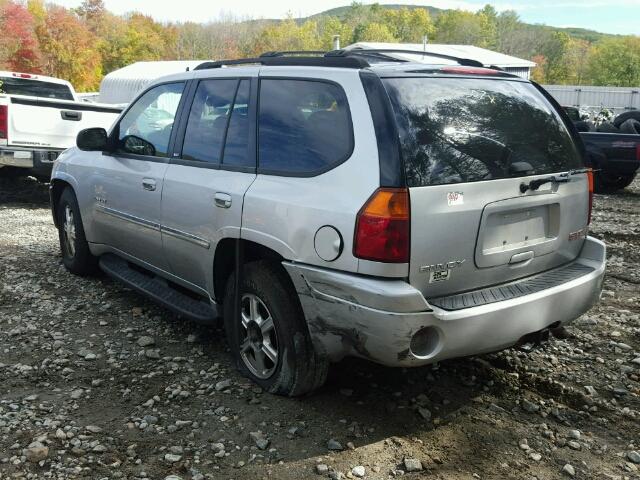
(158, 289)
(512, 290)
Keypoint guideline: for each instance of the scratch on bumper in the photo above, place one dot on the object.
(358, 319)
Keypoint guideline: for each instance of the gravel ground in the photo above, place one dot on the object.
(97, 382)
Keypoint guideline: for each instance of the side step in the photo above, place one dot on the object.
(158, 289)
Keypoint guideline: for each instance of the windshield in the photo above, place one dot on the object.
(455, 130)
(34, 88)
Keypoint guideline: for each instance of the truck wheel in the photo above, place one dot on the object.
(624, 116)
(608, 183)
(269, 340)
(74, 247)
(631, 127)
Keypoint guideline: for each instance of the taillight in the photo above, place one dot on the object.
(382, 227)
(4, 120)
(590, 179)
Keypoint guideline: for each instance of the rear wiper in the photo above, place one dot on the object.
(561, 178)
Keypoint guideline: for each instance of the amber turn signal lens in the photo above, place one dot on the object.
(382, 227)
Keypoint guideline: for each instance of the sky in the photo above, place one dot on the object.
(610, 16)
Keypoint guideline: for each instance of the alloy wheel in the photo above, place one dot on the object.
(69, 229)
(258, 337)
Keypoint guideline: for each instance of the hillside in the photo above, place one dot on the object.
(578, 33)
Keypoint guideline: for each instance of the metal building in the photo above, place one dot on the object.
(488, 58)
(122, 85)
(618, 99)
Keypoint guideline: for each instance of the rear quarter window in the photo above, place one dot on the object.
(35, 88)
(304, 127)
(455, 130)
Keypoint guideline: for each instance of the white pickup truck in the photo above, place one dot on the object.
(40, 117)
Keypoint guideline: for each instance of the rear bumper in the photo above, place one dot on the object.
(15, 157)
(350, 315)
(38, 161)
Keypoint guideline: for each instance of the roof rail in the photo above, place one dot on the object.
(292, 52)
(282, 61)
(468, 62)
(334, 58)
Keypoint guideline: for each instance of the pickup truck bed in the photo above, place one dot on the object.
(614, 156)
(40, 117)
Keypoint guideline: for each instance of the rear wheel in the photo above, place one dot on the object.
(269, 339)
(76, 256)
(608, 183)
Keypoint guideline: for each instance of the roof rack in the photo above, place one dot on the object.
(467, 62)
(280, 60)
(334, 58)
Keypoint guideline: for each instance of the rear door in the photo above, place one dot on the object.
(213, 166)
(471, 147)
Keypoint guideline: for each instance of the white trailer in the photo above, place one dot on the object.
(123, 85)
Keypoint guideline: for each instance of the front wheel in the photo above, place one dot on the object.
(269, 338)
(73, 245)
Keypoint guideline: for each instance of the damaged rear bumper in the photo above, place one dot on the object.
(390, 322)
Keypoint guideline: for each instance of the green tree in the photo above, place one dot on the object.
(330, 26)
(288, 35)
(615, 61)
(409, 26)
(373, 32)
(555, 50)
(467, 28)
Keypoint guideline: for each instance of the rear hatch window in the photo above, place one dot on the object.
(34, 88)
(460, 130)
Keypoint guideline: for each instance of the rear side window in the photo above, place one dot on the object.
(34, 88)
(455, 130)
(304, 127)
(208, 120)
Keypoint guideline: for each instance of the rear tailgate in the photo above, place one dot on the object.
(472, 147)
(44, 123)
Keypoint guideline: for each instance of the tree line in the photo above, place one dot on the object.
(84, 43)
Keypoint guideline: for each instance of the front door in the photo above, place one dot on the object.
(127, 183)
(204, 186)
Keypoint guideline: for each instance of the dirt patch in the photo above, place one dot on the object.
(83, 396)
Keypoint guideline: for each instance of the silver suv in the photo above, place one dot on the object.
(348, 204)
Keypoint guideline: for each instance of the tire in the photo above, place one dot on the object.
(623, 117)
(297, 369)
(607, 183)
(76, 256)
(11, 172)
(606, 127)
(631, 126)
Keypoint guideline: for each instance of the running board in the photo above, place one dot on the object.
(158, 289)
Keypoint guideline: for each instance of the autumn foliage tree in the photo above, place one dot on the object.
(68, 48)
(18, 42)
(84, 43)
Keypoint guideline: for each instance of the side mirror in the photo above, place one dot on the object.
(139, 146)
(92, 140)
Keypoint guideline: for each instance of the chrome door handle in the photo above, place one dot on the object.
(149, 184)
(223, 200)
